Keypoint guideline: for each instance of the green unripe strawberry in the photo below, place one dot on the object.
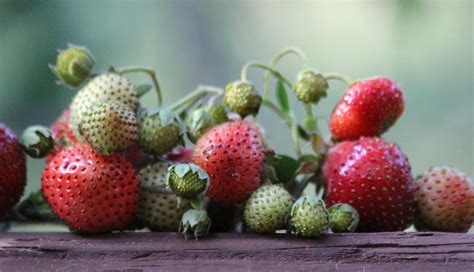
(343, 217)
(311, 86)
(109, 127)
(309, 216)
(37, 141)
(73, 65)
(195, 222)
(159, 132)
(159, 209)
(104, 88)
(242, 98)
(187, 180)
(267, 209)
(218, 115)
(197, 124)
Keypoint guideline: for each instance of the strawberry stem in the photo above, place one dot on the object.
(338, 77)
(310, 122)
(200, 92)
(150, 73)
(275, 73)
(285, 51)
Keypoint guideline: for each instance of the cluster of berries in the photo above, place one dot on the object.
(113, 165)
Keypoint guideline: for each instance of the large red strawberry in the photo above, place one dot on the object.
(373, 176)
(90, 192)
(62, 131)
(12, 170)
(445, 198)
(368, 108)
(233, 156)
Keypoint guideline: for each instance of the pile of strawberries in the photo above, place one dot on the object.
(203, 163)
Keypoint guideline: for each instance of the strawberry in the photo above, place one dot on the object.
(373, 176)
(37, 141)
(109, 127)
(267, 209)
(12, 170)
(242, 98)
(311, 86)
(309, 216)
(106, 87)
(367, 108)
(232, 154)
(61, 130)
(343, 217)
(187, 180)
(73, 65)
(90, 192)
(159, 132)
(445, 198)
(159, 209)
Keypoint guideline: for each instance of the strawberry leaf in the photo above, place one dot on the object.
(282, 97)
(285, 167)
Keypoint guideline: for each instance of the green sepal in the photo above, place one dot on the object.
(195, 222)
(282, 96)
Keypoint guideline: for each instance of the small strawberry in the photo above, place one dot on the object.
(12, 170)
(242, 98)
(37, 141)
(159, 132)
(309, 216)
(61, 130)
(311, 87)
(343, 217)
(109, 127)
(73, 65)
(106, 87)
(368, 108)
(159, 209)
(196, 223)
(187, 180)
(90, 192)
(267, 209)
(373, 176)
(232, 154)
(445, 198)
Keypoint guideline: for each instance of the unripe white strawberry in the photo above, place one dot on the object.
(445, 198)
(106, 87)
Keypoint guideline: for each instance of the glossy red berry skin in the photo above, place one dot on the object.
(12, 170)
(368, 108)
(373, 176)
(90, 192)
(233, 156)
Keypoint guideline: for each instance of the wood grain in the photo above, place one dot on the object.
(393, 251)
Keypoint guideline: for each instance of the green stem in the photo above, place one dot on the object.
(310, 122)
(150, 73)
(296, 139)
(285, 51)
(275, 73)
(338, 77)
(195, 95)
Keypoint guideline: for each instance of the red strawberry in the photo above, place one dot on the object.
(90, 192)
(445, 199)
(12, 170)
(233, 156)
(368, 108)
(373, 176)
(62, 131)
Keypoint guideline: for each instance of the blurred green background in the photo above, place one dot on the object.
(425, 46)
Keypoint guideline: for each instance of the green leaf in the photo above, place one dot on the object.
(282, 97)
(285, 166)
(143, 89)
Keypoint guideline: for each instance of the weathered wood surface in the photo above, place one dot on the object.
(395, 251)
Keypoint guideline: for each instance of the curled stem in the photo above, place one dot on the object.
(149, 72)
(275, 73)
(285, 51)
(200, 92)
(296, 139)
(338, 77)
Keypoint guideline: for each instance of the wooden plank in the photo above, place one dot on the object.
(394, 251)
